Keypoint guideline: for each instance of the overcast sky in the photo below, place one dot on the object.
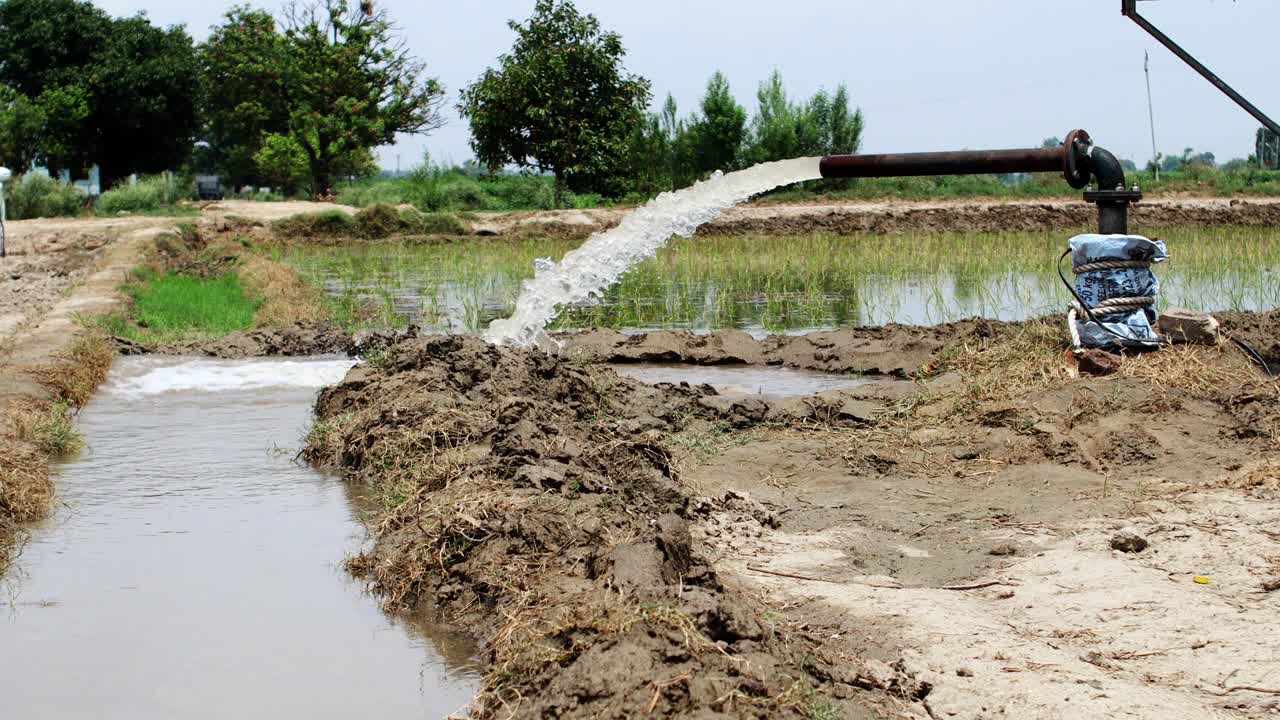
(928, 74)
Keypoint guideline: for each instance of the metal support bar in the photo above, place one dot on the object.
(1129, 8)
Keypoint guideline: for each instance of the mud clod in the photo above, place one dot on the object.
(1128, 541)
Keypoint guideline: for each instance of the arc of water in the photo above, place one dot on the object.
(586, 271)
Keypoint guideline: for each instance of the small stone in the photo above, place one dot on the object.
(1188, 326)
(1128, 541)
(964, 672)
(1003, 550)
(1098, 362)
(966, 454)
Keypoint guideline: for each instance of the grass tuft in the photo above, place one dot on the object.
(81, 369)
(49, 427)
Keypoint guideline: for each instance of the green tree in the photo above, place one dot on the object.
(823, 125)
(560, 101)
(21, 128)
(281, 162)
(719, 132)
(142, 105)
(242, 92)
(119, 92)
(350, 84)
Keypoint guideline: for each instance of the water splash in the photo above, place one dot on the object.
(585, 272)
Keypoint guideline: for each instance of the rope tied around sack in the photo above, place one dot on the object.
(1120, 304)
(1110, 265)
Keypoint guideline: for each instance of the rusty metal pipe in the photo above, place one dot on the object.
(963, 162)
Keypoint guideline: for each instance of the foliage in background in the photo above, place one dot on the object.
(118, 92)
(560, 101)
(36, 195)
(242, 95)
(148, 195)
(350, 84)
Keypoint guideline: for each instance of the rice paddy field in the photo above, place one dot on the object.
(769, 284)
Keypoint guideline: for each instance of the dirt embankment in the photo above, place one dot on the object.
(929, 548)
(905, 216)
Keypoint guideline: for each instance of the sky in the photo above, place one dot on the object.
(927, 74)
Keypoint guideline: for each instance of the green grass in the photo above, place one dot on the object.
(51, 429)
(171, 307)
(772, 283)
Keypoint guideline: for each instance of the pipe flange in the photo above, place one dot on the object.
(1074, 170)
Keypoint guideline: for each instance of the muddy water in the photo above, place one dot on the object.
(193, 569)
(742, 380)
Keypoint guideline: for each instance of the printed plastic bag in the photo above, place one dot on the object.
(1132, 279)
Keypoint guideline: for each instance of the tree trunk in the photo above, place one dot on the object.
(558, 197)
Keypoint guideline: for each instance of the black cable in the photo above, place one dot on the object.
(1253, 354)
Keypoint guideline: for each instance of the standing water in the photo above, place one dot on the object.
(193, 568)
(587, 271)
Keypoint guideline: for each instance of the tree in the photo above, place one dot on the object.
(350, 84)
(21, 127)
(142, 105)
(281, 162)
(242, 95)
(823, 125)
(119, 92)
(719, 132)
(560, 101)
(1267, 148)
(43, 130)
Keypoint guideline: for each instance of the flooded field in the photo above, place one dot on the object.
(193, 568)
(778, 284)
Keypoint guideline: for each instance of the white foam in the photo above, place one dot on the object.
(215, 376)
(586, 271)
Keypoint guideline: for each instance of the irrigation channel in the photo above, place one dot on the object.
(194, 568)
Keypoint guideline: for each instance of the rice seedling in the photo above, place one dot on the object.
(783, 283)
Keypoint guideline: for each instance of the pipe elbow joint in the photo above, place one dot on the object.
(1106, 169)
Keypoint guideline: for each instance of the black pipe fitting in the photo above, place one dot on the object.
(1107, 169)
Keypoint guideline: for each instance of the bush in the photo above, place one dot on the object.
(147, 195)
(35, 196)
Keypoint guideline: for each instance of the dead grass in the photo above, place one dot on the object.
(1006, 365)
(285, 297)
(79, 370)
(26, 492)
(1194, 370)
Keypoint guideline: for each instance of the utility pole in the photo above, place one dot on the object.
(1151, 114)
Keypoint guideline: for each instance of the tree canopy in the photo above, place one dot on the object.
(350, 84)
(560, 101)
(118, 92)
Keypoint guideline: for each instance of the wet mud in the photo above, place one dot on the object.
(622, 548)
